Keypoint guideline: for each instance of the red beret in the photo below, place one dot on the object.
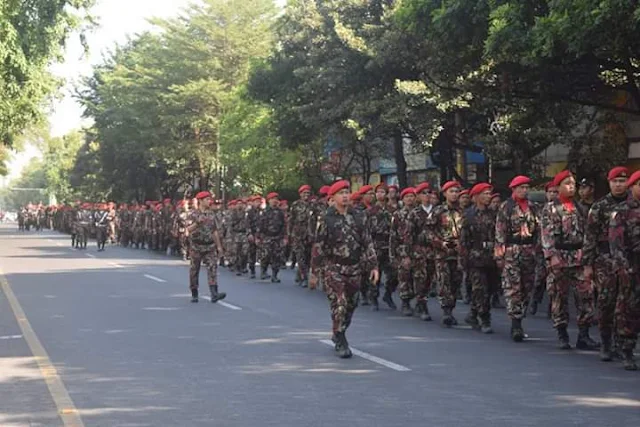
(422, 186)
(337, 186)
(203, 195)
(324, 190)
(479, 188)
(633, 178)
(304, 188)
(548, 185)
(519, 180)
(450, 184)
(494, 195)
(393, 186)
(463, 192)
(273, 196)
(158, 207)
(356, 196)
(618, 172)
(382, 185)
(363, 190)
(408, 190)
(561, 176)
(167, 200)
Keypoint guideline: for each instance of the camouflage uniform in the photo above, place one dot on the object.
(240, 234)
(399, 250)
(380, 229)
(253, 216)
(446, 243)
(202, 248)
(298, 233)
(344, 252)
(477, 239)
(562, 235)
(418, 237)
(272, 229)
(518, 231)
(598, 255)
(624, 240)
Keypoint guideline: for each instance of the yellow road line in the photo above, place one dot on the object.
(66, 409)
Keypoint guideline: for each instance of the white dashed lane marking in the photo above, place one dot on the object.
(372, 358)
(155, 279)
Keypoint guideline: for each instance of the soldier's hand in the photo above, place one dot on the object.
(220, 251)
(374, 277)
(313, 281)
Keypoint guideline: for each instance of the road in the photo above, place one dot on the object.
(110, 339)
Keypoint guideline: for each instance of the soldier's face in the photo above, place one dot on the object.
(484, 198)
(521, 191)
(495, 203)
(206, 202)
(635, 190)
(368, 198)
(393, 194)
(585, 191)
(381, 194)
(567, 187)
(618, 186)
(465, 200)
(274, 202)
(452, 194)
(425, 197)
(305, 195)
(409, 200)
(341, 198)
(552, 194)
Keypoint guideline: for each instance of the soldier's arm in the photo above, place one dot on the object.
(550, 223)
(590, 242)
(465, 241)
(370, 257)
(405, 237)
(318, 251)
(617, 231)
(438, 237)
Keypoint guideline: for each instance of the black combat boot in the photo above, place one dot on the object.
(563, 338)
(194, 295)
(534, 307)
(517, 333)
(215, 295)
(374, 302)
(73, 241)
(406, 308)
(263, 274)
(605, 348)
(389, 300)
(342, 346)
(485, 323)
(274, 276)
(584, 341)
(447, 319)
(629, 362)
(298, 278)
(364, 298)
(253, 272)
(424, 312)
(472, 320)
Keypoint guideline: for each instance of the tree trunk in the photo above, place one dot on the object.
(401, 162)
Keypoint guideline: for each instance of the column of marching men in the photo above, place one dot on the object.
(418, 243)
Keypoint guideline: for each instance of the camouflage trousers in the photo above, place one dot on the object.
(518, 277)
(607, 285)
(628, 311)
(424, 277)
(559, 284)
(241, 251)
(230, 250)
(183, 241)
(406, 290)
(540, 284)
(210, 261)
(342, 291)
(101, 234)
(302, 251)
(482, 289)
(252, 257)
(272, 253)
(449, 279)
(390, 274)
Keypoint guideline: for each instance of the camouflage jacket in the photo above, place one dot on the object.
(272, 224)
(517, 230)
(477, 237)
(239, 223)
(253, 216)
(446, 236)
(299, 217)
(202, 227)
(379, 219)
(397, 235)
(624, 236)
(343, 243)
(419, 234)
(318, 210)
(562, 233)
(596, 236)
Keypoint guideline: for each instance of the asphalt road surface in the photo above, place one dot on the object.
(111, 339)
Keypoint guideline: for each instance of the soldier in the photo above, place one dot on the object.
(380, 228)
(272, 231)
(202, 230)
(319, 208)
(82, 225)
(496, 200)
(586, 192)
(298, 233)
(240, 234)
(392, 202)
(446, 242)
(399, 251)
(343, 251)
(253, 216)
(563, 227)
(624, 242)
(464, 200)
(418, 237)
(477, 238)
(517, 248)
(598, 264)
(101, 221)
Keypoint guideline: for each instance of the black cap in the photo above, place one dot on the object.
(587, 182)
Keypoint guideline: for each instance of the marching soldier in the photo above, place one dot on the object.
(400, 252)
(563, 228)
(101, 221)
(298, 233)
(272, 231)
(253, 216)
(202, 230)
(343, 251)
(240, 235)
(551, 194)
(380, 228)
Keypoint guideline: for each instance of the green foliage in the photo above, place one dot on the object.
(23, 190)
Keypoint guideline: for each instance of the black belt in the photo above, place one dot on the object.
(520, 241)
(569, 246)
